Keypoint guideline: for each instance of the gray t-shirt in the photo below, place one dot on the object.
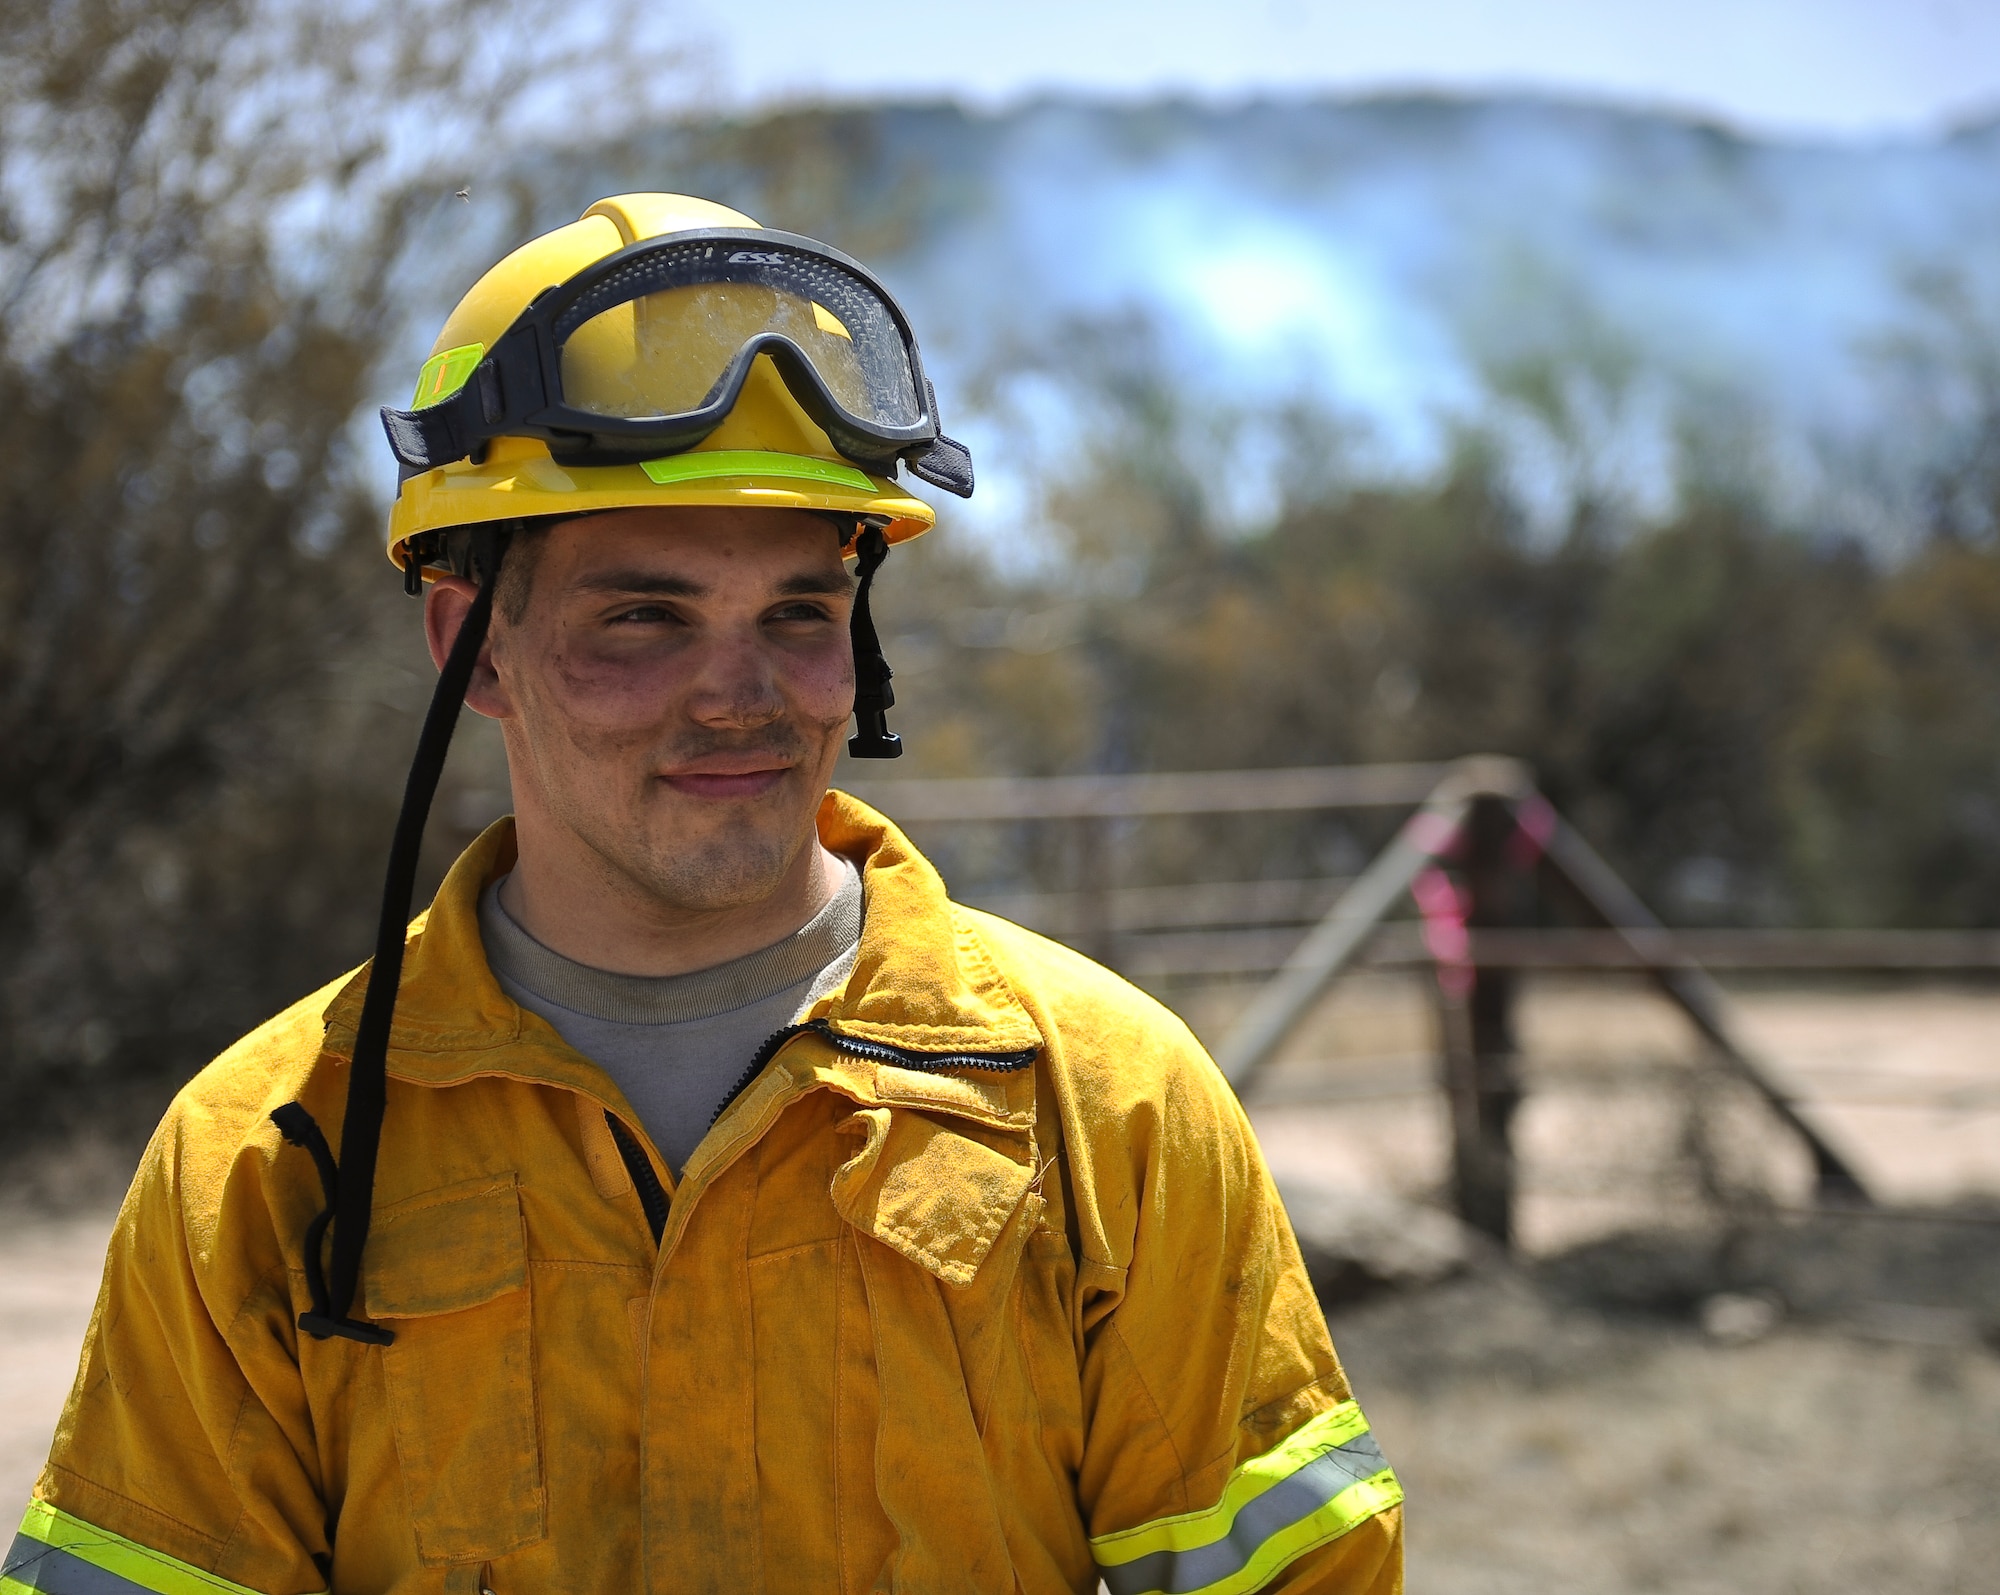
(675, 1044)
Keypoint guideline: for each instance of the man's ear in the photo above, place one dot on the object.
(446, 603)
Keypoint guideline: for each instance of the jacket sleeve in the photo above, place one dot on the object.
(184, 1463)
(1223, 1450)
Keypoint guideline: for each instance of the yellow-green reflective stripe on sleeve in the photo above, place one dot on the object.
(1319, 1482)
(56, 1554)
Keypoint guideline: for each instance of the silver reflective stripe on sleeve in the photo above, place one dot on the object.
(58, 1553)
(32, 1565)
(1315, 1485)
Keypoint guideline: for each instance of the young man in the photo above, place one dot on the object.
(724, 1207)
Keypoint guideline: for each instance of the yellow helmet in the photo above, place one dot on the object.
(667, 350)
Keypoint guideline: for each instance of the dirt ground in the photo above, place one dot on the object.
(1904, 1083)
(50, 1265)
(1564, 1423)
(1551, 1449)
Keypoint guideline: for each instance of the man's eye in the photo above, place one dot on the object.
(802, 612)
(643, 615)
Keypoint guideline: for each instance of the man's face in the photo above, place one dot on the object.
(675, 691)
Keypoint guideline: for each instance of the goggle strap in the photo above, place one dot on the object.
(873, 696)
(945, 463)
(351, 1190)
(424, 439)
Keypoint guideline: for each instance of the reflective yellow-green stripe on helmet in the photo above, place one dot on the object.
(710, 464)
(1322, 1480)
(57, 1554)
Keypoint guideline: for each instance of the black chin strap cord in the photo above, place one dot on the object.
(350, 1184)
(873, 696)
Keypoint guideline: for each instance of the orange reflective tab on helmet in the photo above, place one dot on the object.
(445, 373)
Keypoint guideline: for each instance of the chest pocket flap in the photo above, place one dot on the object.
(931, 1192)
(446, 1250)
(448, 1271)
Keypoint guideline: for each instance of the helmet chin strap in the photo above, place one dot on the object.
(350, 1183)
(873, 696)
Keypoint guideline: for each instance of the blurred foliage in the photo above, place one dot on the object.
(206, 690)
(1758, 726)
(1892, 775)
(208, 682)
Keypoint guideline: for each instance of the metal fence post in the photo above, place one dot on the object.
(1095, 930)
(1481, 1056)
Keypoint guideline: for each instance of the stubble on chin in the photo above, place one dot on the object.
(705, 868)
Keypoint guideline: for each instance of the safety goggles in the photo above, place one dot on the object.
(642, 354)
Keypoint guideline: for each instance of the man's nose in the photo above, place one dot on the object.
(736, 688)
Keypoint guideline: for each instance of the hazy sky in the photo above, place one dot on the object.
(1849, 68)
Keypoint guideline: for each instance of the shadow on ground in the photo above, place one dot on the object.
(1798, 1406)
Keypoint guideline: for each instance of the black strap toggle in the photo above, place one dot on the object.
(321, 1327)
(300, 1128)
(873, 696)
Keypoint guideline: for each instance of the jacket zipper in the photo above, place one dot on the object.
(875, 1051)
(652, 1195)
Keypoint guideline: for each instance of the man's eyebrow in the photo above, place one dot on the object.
(649, 583)
(816, 584)
(655, 584)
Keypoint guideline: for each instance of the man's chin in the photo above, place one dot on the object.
(741, 883)
(711, 855)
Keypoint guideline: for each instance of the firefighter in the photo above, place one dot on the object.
(695, 1198)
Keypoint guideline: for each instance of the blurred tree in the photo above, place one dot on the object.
(1894, 760)
(1696, 661)
(1654, 674)
(204, 690)
(1892, 767)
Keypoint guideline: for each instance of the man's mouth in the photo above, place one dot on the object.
(747, 779)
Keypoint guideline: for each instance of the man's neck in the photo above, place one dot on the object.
(593, 915)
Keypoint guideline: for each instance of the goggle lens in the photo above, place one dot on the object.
(666, 353)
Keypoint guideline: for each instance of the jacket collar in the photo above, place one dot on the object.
(923, 980)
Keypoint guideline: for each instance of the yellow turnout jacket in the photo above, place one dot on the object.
(978, 1285)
